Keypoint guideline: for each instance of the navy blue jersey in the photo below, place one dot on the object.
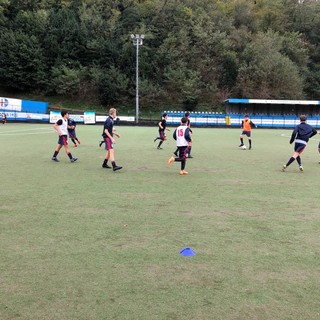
(303, 131)
(71, 122)
(163, 124)
(189, 124)
(108, 125)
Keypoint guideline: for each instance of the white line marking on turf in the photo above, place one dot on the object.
(22, 130)
(23, 133)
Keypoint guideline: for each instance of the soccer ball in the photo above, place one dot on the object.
(243, 147)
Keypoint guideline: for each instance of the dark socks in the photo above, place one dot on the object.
(70, 156)
(290, 161)
(55, 154)
(299, 160)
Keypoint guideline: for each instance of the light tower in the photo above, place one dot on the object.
(137, 41)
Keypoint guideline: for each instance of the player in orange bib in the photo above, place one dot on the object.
(246, 126)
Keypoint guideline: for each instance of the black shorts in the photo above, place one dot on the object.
(299, 147)
(183, 152)
(246, 133)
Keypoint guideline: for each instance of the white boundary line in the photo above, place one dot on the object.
(22, 130)
(23, 134)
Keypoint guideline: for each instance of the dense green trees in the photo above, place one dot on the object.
(195, 53)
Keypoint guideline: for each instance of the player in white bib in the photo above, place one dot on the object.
(61, 126)
(183, 140)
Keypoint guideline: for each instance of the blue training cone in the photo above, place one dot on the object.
(187, 252)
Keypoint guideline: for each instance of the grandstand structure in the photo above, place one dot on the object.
(263, 112)
(273, 113)
(272, 107)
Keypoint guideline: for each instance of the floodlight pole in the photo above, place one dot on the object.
(137, 41)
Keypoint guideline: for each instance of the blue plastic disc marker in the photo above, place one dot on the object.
(187, 252)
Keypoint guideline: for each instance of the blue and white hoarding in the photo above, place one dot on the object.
(86, 118)
(9, 104)
(89, 117)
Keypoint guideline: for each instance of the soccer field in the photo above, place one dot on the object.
(81, 242)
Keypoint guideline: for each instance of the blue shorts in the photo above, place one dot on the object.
(183, 152)
(299, 147)
(108, 144)
(63, 140)
(72, 134)
(162, 135)
(246, 133)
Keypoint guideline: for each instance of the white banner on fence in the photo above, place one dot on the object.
(10, 104)
(121, 118)
(89, 118)
(54, 116)
(76, 117)
(26, 116)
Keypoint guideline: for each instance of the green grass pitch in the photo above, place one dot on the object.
(81, 242)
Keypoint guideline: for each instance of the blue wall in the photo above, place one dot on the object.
(34, 106)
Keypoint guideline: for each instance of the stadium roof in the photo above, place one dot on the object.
(266, 101)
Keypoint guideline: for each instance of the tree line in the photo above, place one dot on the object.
(195, 54)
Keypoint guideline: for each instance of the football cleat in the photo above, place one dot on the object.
(115, 168)
(106, 166)
(241, 145)
(79, 142)
(55, 159)
(75, 145)
(73, 159)
(301, 168)
(183, 172)
(284, 168)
